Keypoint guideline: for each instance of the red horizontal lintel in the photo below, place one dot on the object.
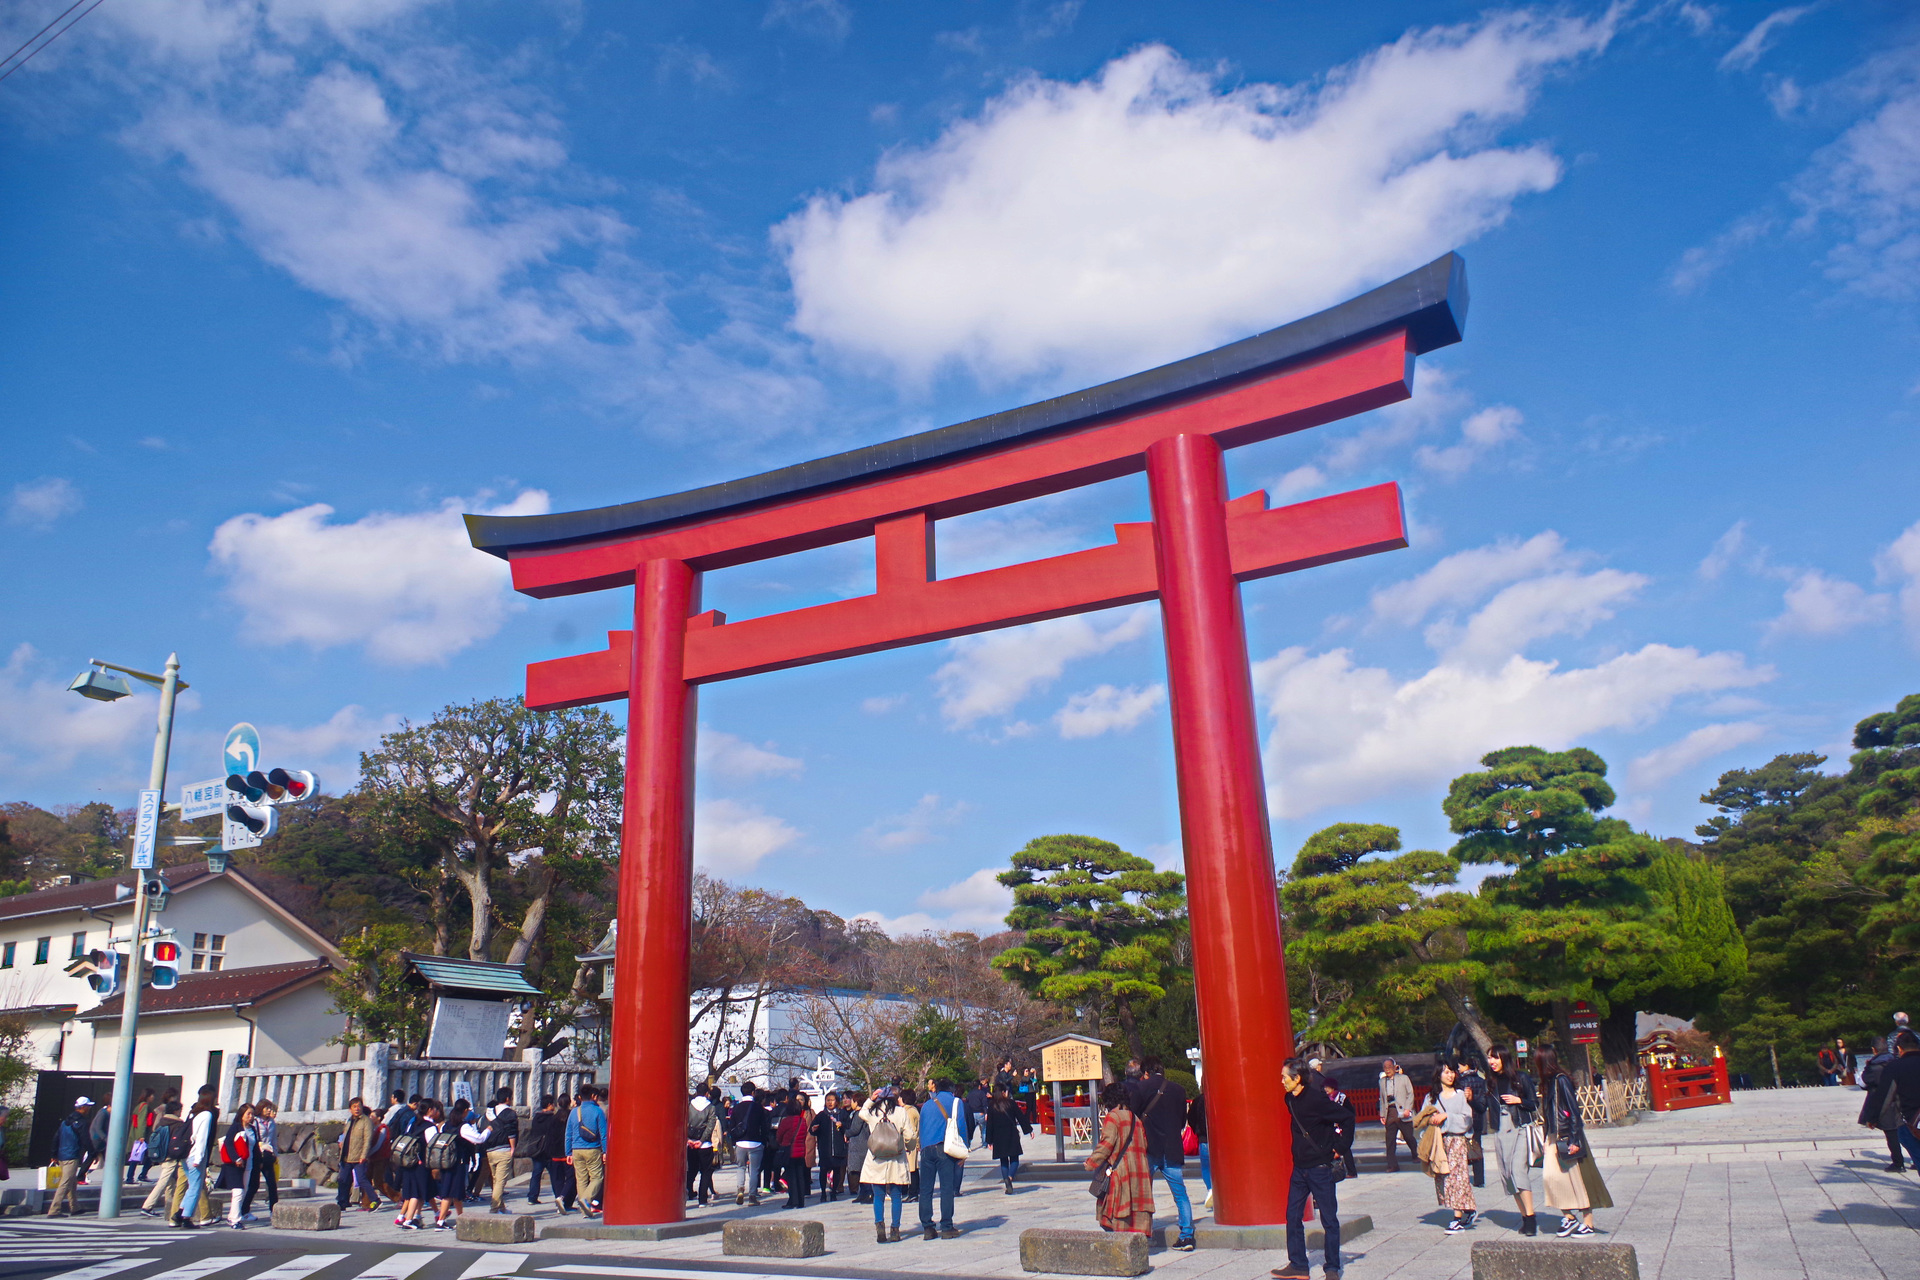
(1373, 373)
(1262, 543)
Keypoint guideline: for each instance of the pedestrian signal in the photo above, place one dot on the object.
(163, 963)
(105, 975)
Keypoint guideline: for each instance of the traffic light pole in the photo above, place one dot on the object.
(115, 1163)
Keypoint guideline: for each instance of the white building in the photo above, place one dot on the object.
(824, 1035)
(251, 985)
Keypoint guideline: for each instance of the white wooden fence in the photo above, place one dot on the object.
(307, 1095)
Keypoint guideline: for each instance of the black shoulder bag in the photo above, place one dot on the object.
(1335, 1163)
(1103, 1178)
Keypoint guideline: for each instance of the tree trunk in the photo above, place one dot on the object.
(442, 918)
(1457, 997)
(1619, 1047)
(533, 924)
(1123, 1009)
(478, 884)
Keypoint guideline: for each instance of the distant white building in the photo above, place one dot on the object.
(252, 983)
(827, 1036)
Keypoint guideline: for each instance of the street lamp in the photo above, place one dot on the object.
(100, 684)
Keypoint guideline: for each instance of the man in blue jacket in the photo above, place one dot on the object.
(587, 1144)
(72, 1145)
(938, 1112)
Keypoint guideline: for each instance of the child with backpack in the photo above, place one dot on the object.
(449, 1152)
(410, 1128)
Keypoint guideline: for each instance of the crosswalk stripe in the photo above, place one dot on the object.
(57, 1253)
(395, 1266)
(298, 1267)
(101, 1270)
(203, 1267)
(489, 1264)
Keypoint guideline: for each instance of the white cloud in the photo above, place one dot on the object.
(1702, 262)
(988, 675)
(828, 20)
(1097, 711)
(331, 748)
(1866, 184)
(1899, 562)
(1817, 605)
(1755, 43)
(39, 504)
(977, 904)
(881, 705)
(1148, 212)
(1558, 604)
(1703, 744)
(1466, 577)
(1341, 734)
(408, 586)
(730, 838)
(48, 734)
(1495, 425)
(1726, 548)
(917, 825)
(733, 757)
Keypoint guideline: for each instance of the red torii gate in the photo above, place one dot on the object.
(1172, 422)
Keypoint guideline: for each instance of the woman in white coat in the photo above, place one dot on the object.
(893, 1143)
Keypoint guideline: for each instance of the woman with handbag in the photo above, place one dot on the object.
(1454, 1113)
(1517, 1141)
(236, 1162)
(893, 1135)
(1122, 1187)
(1573, 1184)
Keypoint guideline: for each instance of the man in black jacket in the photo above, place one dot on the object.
(1903, 1076)
(1873, 1078)
(1315, 1121)
(1162, 1107)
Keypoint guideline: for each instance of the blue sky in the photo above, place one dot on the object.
(291, 283)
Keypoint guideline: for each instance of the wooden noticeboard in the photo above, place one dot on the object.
(1073, 1060)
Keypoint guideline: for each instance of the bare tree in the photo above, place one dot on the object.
(745, 949)
(857, 1030)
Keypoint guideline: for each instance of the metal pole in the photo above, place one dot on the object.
(1059, 1126)
(122, 1099)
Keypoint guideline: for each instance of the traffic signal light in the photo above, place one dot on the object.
(253, 817)
(260, 820)
(106, 975)
(163, 963)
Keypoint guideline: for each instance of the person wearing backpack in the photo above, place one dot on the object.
(198, 1154)
(750, 1132)
(703, 1135)
(168, 1141)
(541, 1146)
(447, 1155)
(411, 1127)
(587, 1144)
(893, 1133)
(72, 1144)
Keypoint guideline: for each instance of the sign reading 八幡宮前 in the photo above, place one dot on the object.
(1074, 1060)
(204, 799)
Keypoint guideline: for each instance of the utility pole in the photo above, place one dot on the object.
(122, 1100)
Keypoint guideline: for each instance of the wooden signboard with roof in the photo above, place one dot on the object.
(1074, 1059)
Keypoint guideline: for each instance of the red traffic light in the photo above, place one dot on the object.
(165, 952)
(297, 783)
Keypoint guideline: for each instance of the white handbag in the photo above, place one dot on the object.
(955, 1143)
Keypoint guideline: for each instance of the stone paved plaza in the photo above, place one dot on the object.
(1780, 1184)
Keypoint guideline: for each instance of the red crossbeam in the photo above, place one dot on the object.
(1376, 372)
(909, 609)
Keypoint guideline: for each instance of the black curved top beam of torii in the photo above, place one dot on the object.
(1430, 303)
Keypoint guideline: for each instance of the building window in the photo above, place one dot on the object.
(209, 951)
(213, 1066)
(40, 950)
(79, 945)
(6, 956)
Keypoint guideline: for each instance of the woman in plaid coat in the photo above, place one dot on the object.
(1128, 1205)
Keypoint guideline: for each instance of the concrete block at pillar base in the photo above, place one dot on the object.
(1217, 1237)
(309, 1215)
(643, 1231)
(495, 1228)
(1083, 1253)
(1553, 1260)
(774, 1238)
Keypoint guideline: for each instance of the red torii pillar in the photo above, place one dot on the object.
(1173, 423)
